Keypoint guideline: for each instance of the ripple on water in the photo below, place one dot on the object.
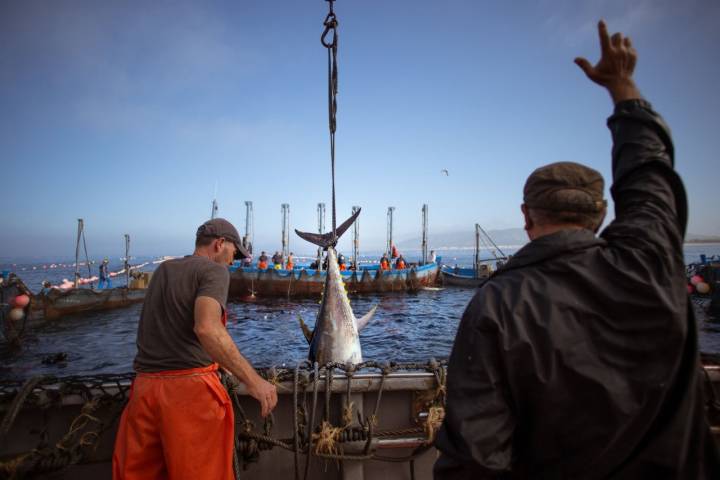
(412, 327)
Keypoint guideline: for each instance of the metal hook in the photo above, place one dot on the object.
(331, 24)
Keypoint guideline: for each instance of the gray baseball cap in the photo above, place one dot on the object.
(219, 227)
(565, 186)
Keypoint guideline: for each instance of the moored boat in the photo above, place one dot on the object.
(481, 270)
(57, 303)
(305, 282)
(462, 277)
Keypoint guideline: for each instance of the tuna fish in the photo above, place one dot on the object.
(335, 337)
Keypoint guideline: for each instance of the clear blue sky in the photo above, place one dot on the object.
(128, 113)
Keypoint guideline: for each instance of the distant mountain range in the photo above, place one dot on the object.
(503, 237)
(466, 239)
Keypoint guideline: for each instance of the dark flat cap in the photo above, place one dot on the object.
(565, 186)
(219, 227)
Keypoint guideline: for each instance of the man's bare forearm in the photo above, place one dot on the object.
(222, 349)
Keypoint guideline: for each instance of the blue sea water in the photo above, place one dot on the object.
(415, 326)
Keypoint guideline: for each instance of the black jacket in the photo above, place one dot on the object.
(579, 358)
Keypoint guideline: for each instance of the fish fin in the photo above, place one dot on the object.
(326, 240)
(306, 331)
(362, 321)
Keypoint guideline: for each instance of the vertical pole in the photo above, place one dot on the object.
(389, 231)
(249, 221)
(77, 251)
(285, 230)
(214, 209)
(321, 230)
(127, 260)
(424, 233)
(356, 239)
(476, 265)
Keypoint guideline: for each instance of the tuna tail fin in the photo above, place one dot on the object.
(362, 321)
(326, 240)
(306, 331)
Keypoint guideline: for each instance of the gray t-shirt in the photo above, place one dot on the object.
(165, 339)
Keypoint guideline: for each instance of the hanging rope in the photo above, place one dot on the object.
(329, 39)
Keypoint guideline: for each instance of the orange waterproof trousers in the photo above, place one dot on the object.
(177, 425)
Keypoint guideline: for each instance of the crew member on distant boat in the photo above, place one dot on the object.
(179, 419)
(104, 275)
(277, 260)
(394, 252)
(579, 359)
(400, 263)
(247, 261)
(289, 264)
(341, 262)
(384, 262)
(433, 257)
(262, 261)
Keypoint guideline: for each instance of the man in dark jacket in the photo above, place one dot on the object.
(579, 358)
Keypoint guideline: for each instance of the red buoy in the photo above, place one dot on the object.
(21, 301)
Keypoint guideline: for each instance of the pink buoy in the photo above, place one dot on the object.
(695, 279)
(690, 289)
(16, 314)
(21, 301)
(702, 288)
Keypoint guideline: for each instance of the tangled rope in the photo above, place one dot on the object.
(349, 436)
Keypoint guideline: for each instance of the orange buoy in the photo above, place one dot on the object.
(21, 301)
(695, 279)
(16, 314)
(702, 288)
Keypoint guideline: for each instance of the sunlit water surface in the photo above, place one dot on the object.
(410, 327)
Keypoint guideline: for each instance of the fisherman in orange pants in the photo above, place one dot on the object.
(178, 423)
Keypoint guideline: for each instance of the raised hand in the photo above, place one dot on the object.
(615, 69)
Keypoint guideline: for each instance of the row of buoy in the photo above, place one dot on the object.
(18, 303)
(698, 285)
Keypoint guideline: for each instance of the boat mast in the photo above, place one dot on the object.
(502, 254)
(477, 250)
(81, 235)
(127, 260)
(214, 211)
(285, 209)
(390, 211)
(249, 221)
(321, 229)
(356, 239)
(424, 233)
(77, 251)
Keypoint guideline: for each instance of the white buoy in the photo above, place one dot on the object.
(16, 314)
(702, 288)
